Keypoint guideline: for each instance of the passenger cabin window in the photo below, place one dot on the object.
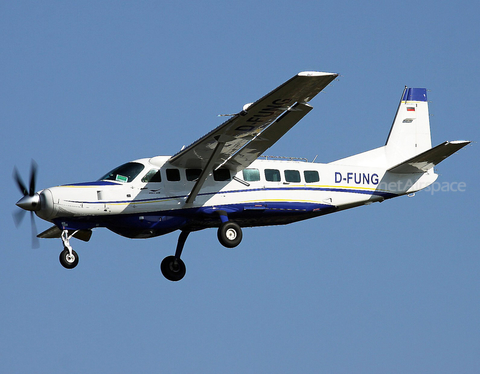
(251, 175)
(292, 176)
(221, 175)
(173, 175)
(311, 176)
(124, 173)
(193, 174)
(272, 175)
(152, 176)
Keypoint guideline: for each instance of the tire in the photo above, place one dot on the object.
(66, 261)
(229, 234)
(173, 269)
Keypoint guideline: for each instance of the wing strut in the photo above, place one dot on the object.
(207, 169)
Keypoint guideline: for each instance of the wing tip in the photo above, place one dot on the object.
(315, 74)
(460, 142)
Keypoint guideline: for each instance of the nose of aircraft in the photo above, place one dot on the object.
(41, 203)
(31, 203)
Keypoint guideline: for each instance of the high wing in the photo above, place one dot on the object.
(237, 142)
(245, 136)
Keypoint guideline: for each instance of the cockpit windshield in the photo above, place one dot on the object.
(124, 173)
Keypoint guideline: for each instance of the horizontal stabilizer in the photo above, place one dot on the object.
(428, 159)
(55, 232)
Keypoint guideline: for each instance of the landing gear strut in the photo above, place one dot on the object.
(68, 257)
(172, 267)
(229, 234)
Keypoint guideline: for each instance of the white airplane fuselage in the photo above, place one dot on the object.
(279, 192)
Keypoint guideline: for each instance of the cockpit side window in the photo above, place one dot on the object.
(153, 176)
(124, 173)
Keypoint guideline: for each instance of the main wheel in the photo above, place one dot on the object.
(68, 261)
(229, 234)
(173, 268)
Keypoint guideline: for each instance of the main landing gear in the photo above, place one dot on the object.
(229, 235)
(173, 268)
(68, 257)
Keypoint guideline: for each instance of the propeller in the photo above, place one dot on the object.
(29, 202)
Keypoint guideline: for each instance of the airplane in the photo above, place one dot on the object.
(222, 181)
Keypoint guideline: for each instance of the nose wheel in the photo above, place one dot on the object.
(67, 259)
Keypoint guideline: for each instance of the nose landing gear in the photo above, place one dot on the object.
(68, 257)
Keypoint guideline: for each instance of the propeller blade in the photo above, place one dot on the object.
(33, 177)
(35, 242)
(20, 183)
(28, 202)
(18, 216)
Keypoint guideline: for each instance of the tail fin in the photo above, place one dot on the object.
(409, 145)
(410, 132)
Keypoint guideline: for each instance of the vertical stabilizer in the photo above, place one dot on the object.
(410, 132)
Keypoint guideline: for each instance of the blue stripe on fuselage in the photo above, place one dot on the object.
(386, 195)
(162, 222)
(96, 183)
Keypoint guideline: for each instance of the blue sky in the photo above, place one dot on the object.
(388, 288)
